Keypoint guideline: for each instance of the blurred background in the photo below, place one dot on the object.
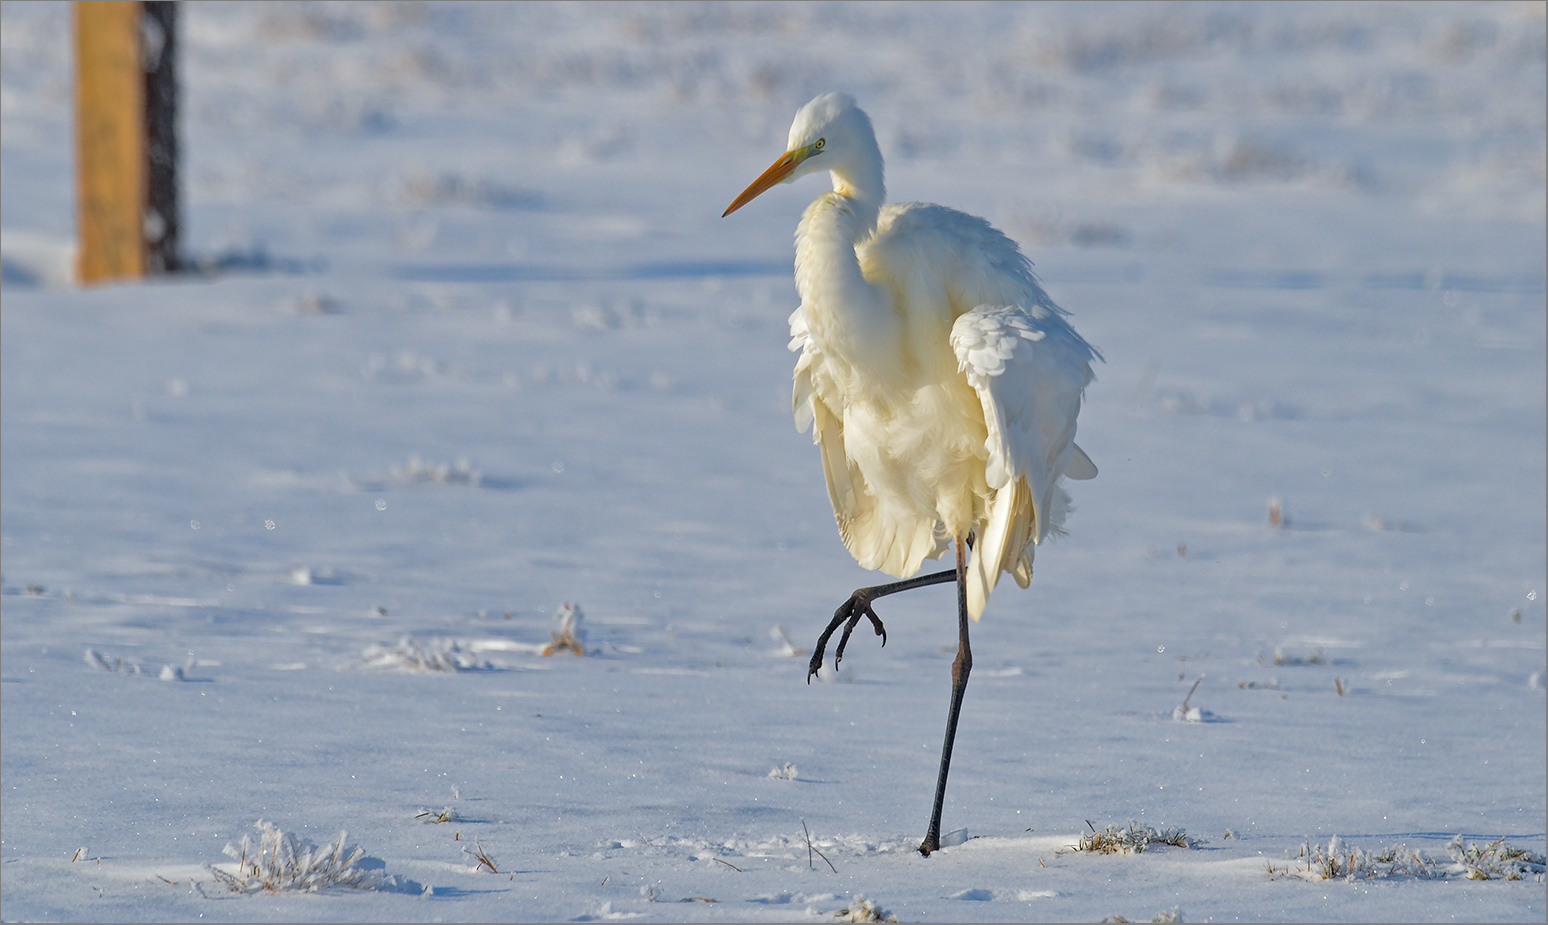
(467, 338)
(503, 133)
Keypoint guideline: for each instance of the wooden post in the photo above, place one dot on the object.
(125, 139)
(158, 56)
(109, 141)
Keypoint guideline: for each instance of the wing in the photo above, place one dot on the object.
(878, 537)
(923, 248)
(1029, 373)
(828, 431)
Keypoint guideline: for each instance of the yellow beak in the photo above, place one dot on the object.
(779, 171)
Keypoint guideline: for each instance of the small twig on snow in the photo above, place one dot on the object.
(811, 847)
(478, 854)
(1195, 687)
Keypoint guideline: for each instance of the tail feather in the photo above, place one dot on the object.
(1009, 540)
(989, 551)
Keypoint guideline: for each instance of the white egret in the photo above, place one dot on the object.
(941, 382)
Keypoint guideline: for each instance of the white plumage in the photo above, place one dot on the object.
(941, 382)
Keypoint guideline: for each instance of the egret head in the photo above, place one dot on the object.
(830, 133)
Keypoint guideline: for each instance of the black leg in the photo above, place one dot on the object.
(859, 605)
(959, 678)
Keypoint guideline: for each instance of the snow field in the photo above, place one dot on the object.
(483, 347)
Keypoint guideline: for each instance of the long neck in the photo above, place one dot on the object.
(850, 318)
(861, 182)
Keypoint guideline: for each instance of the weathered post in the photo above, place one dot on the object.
(158, 56)
(127, 210)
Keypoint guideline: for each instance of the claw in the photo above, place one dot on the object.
(876, 624)
(849, 627)
(818, 650)
(848, 614)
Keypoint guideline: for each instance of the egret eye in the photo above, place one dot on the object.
(820, 143)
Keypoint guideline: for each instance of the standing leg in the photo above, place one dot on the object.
(959, 678)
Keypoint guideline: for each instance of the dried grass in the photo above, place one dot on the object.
(1116, 839)
(1280, 657)
(481, 858)
(412, 655)
(1497, 860)
(570, 633)
(280, 862)
(861, 909)
(1173, 914)
(446, 814)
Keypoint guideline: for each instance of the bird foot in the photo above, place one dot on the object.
(849, 614)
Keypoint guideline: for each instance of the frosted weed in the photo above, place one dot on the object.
(569, 633)
(168, 672)
(416, 471)
(411, 655)
(481, 858)
(281, 862)
(1115, 839)
(1497, 860)
(437, 473)
(447, 814)
(786, 771)
(1173, 914)
(861, 909)
(1337, 860)
(1186, 714)
(100, 662)
(1281, 658)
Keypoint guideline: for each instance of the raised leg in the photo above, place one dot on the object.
(859, 605)
(960, 668)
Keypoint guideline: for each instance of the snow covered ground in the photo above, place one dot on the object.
(478, 344)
